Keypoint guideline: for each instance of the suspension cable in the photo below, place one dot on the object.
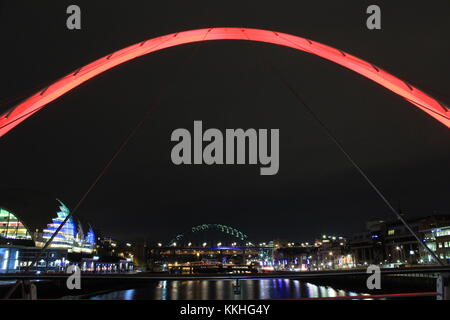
(340, 146)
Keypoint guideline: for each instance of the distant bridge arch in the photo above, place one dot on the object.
(33, 104)
(211, 227)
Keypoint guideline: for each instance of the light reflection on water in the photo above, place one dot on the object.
(223, 290)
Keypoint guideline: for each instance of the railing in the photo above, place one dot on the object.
(379, 296)
(433, 271)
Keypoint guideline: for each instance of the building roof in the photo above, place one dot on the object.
(35, 209)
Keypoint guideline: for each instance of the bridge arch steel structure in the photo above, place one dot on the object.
(33, 104)
(210, 227)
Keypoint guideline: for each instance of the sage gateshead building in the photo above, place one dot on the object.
(25, 230)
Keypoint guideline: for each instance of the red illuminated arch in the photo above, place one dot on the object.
(33, 104)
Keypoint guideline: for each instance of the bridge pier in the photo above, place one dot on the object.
(28, 290)
(237, 287)
(443, 286)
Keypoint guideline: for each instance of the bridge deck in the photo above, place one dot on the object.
(216, 276)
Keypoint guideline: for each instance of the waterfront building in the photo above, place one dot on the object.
(333, 253)
(24, 233)
(367, 247)
(390, 243)
(436, 235)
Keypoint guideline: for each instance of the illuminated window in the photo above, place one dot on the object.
(391, 232)
(90, 237)
(443, 232)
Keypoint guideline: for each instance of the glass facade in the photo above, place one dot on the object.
(66, 236)
(90, 237)
(9, 259)
(71, 235)
(442, 232)
(438, 240)
(11, 227)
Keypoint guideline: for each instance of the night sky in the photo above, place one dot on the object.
(228, 84)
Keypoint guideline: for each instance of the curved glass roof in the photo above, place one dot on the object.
(11, 227)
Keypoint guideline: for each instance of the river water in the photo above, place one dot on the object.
(223, 289)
